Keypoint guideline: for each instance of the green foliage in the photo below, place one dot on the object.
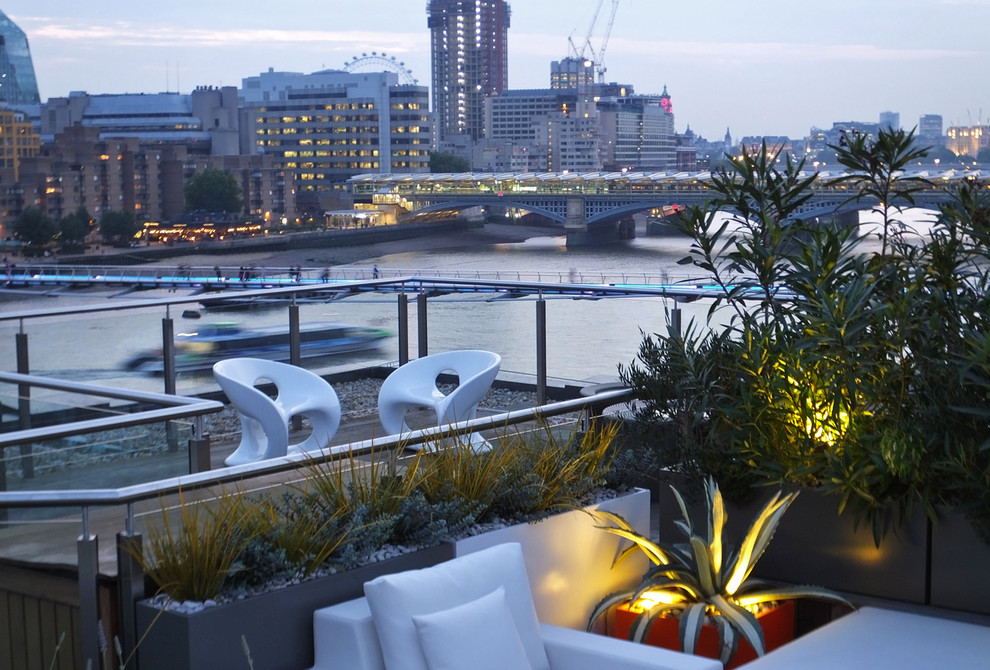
(825, 362)
(705, 579)
(191, 556)
(35, 228)
(74, 228)
(118, 227)
(442, 161)
(213, 190)
(345, 510)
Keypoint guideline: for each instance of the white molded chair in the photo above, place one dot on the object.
(475, 611)
(415, 385)
(265, 420)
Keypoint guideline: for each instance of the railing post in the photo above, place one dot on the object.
(675, 319)
(130, 583)
(199, 448)
(168, 370)
(88, 552)
(295, 349)
(403, 329)
(24, 403)
(421, 323)
(541, 351)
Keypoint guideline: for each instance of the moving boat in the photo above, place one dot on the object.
(210, 343)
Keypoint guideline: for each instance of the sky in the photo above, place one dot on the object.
(754, 67)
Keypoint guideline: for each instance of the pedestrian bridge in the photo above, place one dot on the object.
(597, 205)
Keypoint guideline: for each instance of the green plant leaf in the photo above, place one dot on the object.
(689, 628)
(607, 603)
(743, 621)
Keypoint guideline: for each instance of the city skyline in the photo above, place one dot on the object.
(778, 68)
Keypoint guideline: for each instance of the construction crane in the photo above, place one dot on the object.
(600, 60)
(598, 57)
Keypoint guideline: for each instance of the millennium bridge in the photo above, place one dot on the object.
(597, 206)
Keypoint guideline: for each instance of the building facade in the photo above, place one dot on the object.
(469, 54)
(204, 122)
(967, 140)
(326, 127)
(81, 168)
(638, 132)
(18, 85)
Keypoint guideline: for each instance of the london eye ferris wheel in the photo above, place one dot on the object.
(377, 62)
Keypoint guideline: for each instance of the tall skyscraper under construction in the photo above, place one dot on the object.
(470, 62)
(17, 83)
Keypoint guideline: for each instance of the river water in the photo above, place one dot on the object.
(587, 339)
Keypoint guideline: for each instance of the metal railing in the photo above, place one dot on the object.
(130, 576)
(219, 278)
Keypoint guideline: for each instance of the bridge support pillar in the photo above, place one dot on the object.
(847, 219)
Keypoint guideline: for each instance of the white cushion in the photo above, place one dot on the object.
(480, 635)
(395, 599)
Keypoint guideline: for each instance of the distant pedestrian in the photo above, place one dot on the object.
(216, 269)
(375, 274)
(325, 275)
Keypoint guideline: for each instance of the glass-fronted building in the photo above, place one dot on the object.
(18, 85)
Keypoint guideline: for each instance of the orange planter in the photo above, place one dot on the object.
(777, 624)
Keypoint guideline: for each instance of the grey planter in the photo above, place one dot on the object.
(960, 562)
(278, 626)
(816, 545)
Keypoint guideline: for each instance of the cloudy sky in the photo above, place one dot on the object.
(755, 66)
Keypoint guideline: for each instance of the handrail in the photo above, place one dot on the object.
(412, 284)
(156, 489)
(177, 407)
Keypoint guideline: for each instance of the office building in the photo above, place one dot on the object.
(967, 140)
(890, 121)
(930, 126)
(326, 127)
(638, 132)
(18, 85)
(205, 121)
(18, 141)
(572, 74)
(469, 48)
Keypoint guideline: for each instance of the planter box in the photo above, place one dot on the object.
(278, 626)
(960, 560)
(816, 545)
(569, 560)
(777, 624)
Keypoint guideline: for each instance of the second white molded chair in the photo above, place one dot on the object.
(415, 385)
(265, 420)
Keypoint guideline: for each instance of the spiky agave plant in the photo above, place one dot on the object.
(704, 579)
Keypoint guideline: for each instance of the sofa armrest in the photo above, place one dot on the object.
(344, 636)
(578, 650)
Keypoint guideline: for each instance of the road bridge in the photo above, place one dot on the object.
(597, 206)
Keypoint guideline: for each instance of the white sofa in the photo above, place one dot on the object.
(474, 612)
(882, 639)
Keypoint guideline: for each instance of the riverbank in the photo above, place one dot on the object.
(322, 253)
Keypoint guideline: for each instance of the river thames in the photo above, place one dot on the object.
(587, 339)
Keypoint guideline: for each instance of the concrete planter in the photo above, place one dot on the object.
(569, 560)
(816, 545)
(960, 563)
(278, 626)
